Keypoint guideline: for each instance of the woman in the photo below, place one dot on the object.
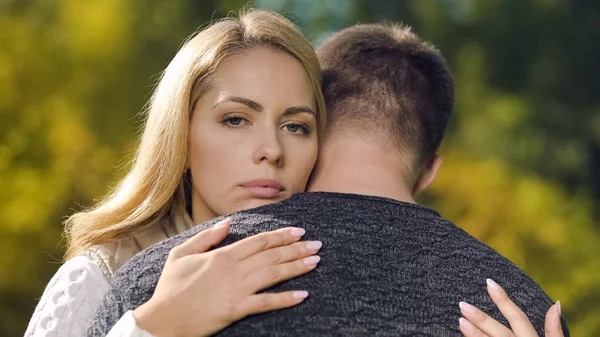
(234, 123)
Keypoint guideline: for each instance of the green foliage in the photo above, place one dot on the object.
(521, 156)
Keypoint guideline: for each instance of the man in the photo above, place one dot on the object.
(390, 267)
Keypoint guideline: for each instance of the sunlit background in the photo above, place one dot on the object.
(522, 153)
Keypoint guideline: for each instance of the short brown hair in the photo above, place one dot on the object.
(383, 79)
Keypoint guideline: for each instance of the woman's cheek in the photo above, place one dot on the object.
(305, 167)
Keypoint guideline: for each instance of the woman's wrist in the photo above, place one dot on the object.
(148, 318)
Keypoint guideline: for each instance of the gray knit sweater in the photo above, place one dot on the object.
(388, 268)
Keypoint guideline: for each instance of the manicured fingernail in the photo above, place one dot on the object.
(467, 309)
(312, 259)
(300, 294)
(493, 285)
(466, 325)
(559, 309)
(297, 232)
(314, 245)
(222, 223)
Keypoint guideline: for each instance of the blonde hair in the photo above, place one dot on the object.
(156, 183)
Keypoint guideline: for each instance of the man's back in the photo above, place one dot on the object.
(389, 268)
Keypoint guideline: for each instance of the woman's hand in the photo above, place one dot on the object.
(200, 293)
(476, 323)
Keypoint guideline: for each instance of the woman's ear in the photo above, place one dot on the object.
(428, 175)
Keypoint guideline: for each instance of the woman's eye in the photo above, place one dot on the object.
(296, 128)
(234, 121)
(292, 127)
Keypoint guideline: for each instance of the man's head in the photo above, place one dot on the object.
(388, 87)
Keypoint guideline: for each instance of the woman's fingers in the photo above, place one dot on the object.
(283, 254)
(271, 301)
(260, 242)
(478, 323)
(519, 322)
(483, 322)
(202, 241)
(552, 327)
(468, 329)
(269, 276)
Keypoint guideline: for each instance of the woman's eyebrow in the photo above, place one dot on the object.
(257, 107)
(298, 109)
(237, 99)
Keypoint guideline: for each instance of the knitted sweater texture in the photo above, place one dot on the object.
(388, 268)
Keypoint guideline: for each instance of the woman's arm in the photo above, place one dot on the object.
(79, 287)
(200, 293)
(69, 300)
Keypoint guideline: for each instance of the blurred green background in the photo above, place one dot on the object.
(522, 153)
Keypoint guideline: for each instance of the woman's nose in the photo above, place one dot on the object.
(269, 150)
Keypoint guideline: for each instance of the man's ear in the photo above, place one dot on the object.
(428, 175)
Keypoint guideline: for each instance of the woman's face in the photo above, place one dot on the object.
(253, 134)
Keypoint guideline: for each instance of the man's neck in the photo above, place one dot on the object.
(353, 166)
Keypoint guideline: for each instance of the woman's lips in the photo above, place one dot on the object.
(263, 192)
(264, 188)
